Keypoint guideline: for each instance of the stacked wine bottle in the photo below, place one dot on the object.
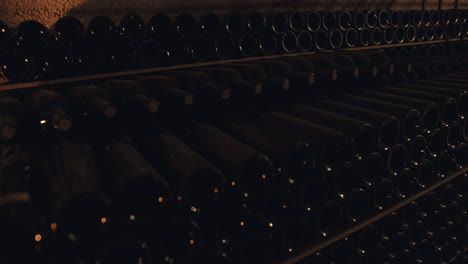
(32, 52)
(253, 161)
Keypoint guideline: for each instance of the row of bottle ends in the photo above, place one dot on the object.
(257, 23)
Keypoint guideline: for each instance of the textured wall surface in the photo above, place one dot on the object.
(48, 11)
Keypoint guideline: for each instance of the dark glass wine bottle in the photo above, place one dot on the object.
(344, 20)
(249, 170)
(234, 24)
(409, 117)
(32, 37)
(277, 22)
(159, 27)
(388, 35)
(53, 110)
(210, 24)
(388, 126)
(11, 115)
(5, 35)
(363, 133)
(359, 19)
(185, 26)
(256, 23)
(92, 100)
(371, 19)
(68, 31)
(133, 27)
(431, 114)
(167, 90)
(313, 21)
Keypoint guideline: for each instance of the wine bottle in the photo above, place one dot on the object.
(417, 150)
(363, 133)
(364, 37)
(344, 20)
(434, 18)
(296, 21)
(336, 39)
(202, 85)
(277, 22)
(234, 24)
(448, 105)
(439, 32)
(420, 33)
(321, 40)
(274, 85)
(395, 18)
(19, 66)
(330, 142)
(289, 42)
(388, 126)
(247, 45)
(248, 169)
(351, 37)
(32, 36)
(256, 23)
(224, 47)
(133, 96)
(405, 18)
(384, 18)
(185, 26)
(427, 16)
(125, 249)
(159, 27)
(410, 35)
(11, 115)
(313, 21)
(210, 24)
(92, 100)
(5, 34)
(68, 31)
(416, 17)
(389, 35)
(409, 117)
(167, 90)
(305, 40)
(343, 250)
(53, 109)
(377, 36)
(301, 78)
(24, 230)
(445, 17)
(371, 19)
(200, 48)
(431, 112)
(197, 181)
(80, 212)
(329, 20)
(268, 44)
(459, 95)
(430, 33)
(364, 61)
(359, 20)
(344, 66)
(400, 34)
(370, 249)
(133, 27)
(101, 29)
(233, 79)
